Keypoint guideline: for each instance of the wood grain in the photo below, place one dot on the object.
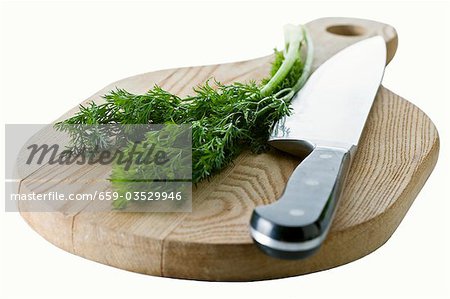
(397, 153)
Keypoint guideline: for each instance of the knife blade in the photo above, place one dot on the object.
(327, 120)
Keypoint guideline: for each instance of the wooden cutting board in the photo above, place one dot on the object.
(397, 153)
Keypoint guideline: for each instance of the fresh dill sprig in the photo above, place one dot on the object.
(225, 119)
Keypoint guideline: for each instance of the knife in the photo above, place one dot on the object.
(327, 119)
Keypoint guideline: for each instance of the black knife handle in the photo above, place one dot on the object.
(295, 226)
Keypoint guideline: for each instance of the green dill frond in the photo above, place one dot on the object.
(225, 118)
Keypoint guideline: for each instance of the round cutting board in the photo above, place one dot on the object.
(396, 155)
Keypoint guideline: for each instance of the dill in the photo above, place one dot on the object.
(225, 119)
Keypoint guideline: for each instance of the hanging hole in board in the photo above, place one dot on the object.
(346, 30)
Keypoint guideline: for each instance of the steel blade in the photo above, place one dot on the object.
(332, 108)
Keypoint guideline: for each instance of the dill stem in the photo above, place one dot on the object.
(294, 36)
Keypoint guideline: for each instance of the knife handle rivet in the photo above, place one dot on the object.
(325, 156)
(296, 212)
(311, 182)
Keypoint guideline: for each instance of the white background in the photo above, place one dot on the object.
(54, 55)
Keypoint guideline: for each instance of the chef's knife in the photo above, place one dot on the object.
(326, 123)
